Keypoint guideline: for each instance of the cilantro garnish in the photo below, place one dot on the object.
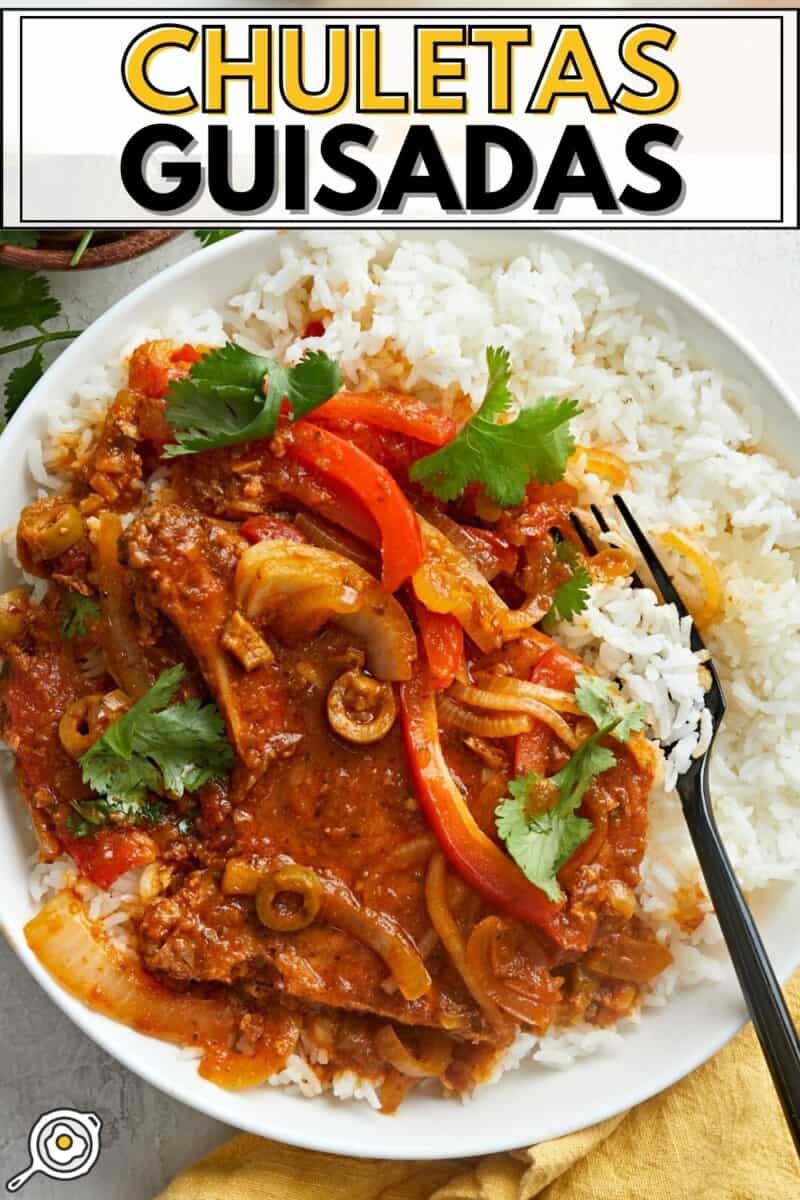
(540, 845)
(502, 457)
(19, 237)
(223, 400)
(571, 596)
(186, 824)
(210, 236)
(602, 700)
(90, 815)
(21, 380)
(540, 842)
(80, 613)
(156, 746)
(25, 301)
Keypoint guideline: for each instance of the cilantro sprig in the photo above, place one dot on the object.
(232, 396)
(602, 700)
(210, 237)
(19, 237)
(502, 456)
(26, 302)
(79, 613)
(156, 746)
(571, 596)
(542, 838)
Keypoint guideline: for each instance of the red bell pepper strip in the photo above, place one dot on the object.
(259, 529)
(185, 354)
(392, 411)
(153, 366)
(443, 641)
(475, 857)
(352, 470)
(105, 855)
(555, 669)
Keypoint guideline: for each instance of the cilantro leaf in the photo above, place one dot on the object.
(25, 299)
(589, 760)
(602, 700)
(541, 842)
(21, 380)
(90, 815)
(502, 457)
(210, 236)
(80, 613)
(157, 746)
(540, 845)
(571, 596)
(188, 743)
(19, 237)
(313, 381)
(223, 401)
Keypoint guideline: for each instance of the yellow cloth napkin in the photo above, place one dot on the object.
(718, 1134)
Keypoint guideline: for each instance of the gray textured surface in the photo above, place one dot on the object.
(752, 278)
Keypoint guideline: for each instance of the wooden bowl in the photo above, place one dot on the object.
(107, 248)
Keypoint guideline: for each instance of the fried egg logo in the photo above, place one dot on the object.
(63, 1144)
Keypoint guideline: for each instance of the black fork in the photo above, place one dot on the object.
(761, 990)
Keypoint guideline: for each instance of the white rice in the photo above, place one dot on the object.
(690, 437)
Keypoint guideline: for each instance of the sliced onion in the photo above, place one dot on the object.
(124, 655)
(449, 582)
(508, 702)
(236, 1070)
(444, 923)
(535, 1010)
(287, 581)
(520, 619)
(507, 685)
(475, 547)
(436, 1052)
(410, 854)
(628, 958)
(382, 934)
(73, 950)
(328, 536)
(503, 725)
(677, 540)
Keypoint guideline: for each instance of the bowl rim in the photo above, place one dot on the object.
(310, 1136)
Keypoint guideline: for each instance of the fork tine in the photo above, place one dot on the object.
(670, 593)
(663, 581)
(601, 521)
(580, 529)
(604, 526)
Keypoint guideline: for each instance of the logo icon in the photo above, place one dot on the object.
(63, 1144)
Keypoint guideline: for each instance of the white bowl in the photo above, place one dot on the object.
(532, 1103)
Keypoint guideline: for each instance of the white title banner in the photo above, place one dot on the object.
(410, 117)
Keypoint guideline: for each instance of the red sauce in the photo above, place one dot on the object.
(300, 794)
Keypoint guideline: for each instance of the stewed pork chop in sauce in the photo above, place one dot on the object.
(382, 826)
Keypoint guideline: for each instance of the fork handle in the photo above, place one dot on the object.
(770, 1016)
